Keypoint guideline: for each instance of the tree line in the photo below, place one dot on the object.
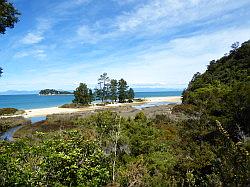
(107, 90)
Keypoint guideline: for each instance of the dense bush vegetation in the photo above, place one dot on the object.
(59, 159)
(105, 148)
(223, 91)
(7, 123)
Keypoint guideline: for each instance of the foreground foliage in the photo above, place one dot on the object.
(106, 148)
(64, 158)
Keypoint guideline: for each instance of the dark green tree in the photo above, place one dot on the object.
(122, 90)
(91, 95)
(130, 95)
(97, 94)
(113, 90)
(82, 95)
(103, 83)
(8, 16)
(235, 46)
(1, 71)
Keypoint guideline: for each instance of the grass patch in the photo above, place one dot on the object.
(73, 105)
(10, 111)
(7, 123)
(185, 109)
(139, 100)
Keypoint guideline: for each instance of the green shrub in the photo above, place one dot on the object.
(74, 105)
(58, 159)
(10, 122)
(139, 100)
(7, 111)
(100, 104)
(185, 109)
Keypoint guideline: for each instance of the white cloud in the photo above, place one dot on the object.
(158, 15)
(65, 7)
(153, 64)
(172, 63)
(86, 35)
(36, 53)
(21, 54)
(39, 53)
(158, 18)
(36, 36)
(79, 2)
(160, 57)
(125, 2)
(32, 38)
(43, 25)
(159, 65)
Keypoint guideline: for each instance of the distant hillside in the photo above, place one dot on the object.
(53, 92)
(16, 92)
(223, 91)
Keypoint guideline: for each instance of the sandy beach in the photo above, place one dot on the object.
(175, 99)
(57, 110)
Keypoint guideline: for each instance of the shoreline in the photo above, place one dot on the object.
(56, 110)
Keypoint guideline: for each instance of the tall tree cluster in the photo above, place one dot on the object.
(107, 90)
(112, 89)
(103, 83)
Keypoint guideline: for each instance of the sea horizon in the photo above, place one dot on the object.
(36, 101)
(36, 92)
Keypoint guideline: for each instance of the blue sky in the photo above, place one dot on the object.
(149, 43)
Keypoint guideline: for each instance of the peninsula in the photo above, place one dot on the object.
(54, 92)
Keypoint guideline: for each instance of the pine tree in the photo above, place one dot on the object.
(82, 95)
(113, 90)
(130, 95)
(122, 90)
(103, 83)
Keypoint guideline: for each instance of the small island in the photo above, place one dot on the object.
(54, 92)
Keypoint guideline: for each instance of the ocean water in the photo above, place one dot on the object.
(37, 101)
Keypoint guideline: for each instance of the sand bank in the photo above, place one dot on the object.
(174, 99)
(57, 110)
(48, 111)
